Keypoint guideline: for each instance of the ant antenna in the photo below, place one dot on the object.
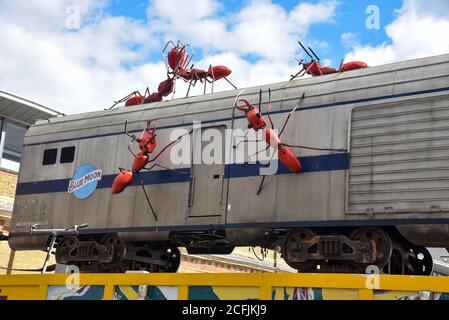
(305, 50)
(341, 64)
(313, 52)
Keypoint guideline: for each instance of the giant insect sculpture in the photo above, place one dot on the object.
(314, 68)
(164, 89)
(284, 151)
(147, 144)
(177, 58)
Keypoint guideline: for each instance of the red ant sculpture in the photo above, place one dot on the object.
(136, 98)
(314, 68)
(177, 60)
(147, 145)
(164, 89)
(285, 154)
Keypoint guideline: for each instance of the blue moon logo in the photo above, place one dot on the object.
(84, 181)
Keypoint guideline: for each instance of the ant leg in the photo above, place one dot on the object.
(230, 83)
(174, 87)
(131, 135)
(123, 99)
(188, 90)
(167, 168)
(269, 109)
(169, 145)
(236, 144)
(146, 196)
(146, 94)
(297, 74)
(315, 148)
(213, 77)
(261, 185)
(130, 150)
(263, 178)
(244, 141)
(260, 151)
(301, 100)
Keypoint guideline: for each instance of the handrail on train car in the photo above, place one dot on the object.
(54, 233)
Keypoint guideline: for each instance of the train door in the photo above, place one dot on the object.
(207, 180)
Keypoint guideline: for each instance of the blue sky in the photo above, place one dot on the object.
(350, 17)
(116, 46)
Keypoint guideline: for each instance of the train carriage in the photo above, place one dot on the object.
(374, 192)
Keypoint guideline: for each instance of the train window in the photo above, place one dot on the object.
(50, 157)
(67, 155)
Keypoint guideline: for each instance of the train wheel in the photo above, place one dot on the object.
(139, 264)
(67, 248)
(172, 255)
(400, 260)
(422, 261)
(159, 258)
(382, 241)
(293, 243)
(115, 248)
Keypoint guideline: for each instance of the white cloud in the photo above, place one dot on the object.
(75, 71)
(251, 74)
(349, 39)
(186, 11)
(418, 31)
(261, 28)
(305, 14)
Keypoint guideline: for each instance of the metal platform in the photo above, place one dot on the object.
(264, 286)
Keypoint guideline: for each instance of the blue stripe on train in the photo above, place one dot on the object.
(330, 162)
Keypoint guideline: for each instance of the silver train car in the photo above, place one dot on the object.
(379, 201)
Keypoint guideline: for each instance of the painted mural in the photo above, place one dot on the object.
(404, 295)
(77, 293)
(145, 293)
(292, 293)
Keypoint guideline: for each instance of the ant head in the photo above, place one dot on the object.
(177, 55)
(308, 64)
(151, 128)
(300, 61)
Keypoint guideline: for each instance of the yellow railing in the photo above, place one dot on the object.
(264, 286)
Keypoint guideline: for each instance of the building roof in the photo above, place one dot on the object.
(23, 111)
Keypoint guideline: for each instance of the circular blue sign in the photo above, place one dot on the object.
(84, 181)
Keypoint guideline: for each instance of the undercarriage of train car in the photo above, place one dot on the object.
(308, 250)
(360, 250)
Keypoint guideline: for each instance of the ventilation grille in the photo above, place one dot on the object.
(399, 158)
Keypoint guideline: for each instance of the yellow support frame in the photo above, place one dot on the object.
(35, 286)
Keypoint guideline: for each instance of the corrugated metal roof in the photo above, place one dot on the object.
(23, 111)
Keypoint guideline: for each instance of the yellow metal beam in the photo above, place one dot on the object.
(183, 293)
(361, 285)
(366, 294)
